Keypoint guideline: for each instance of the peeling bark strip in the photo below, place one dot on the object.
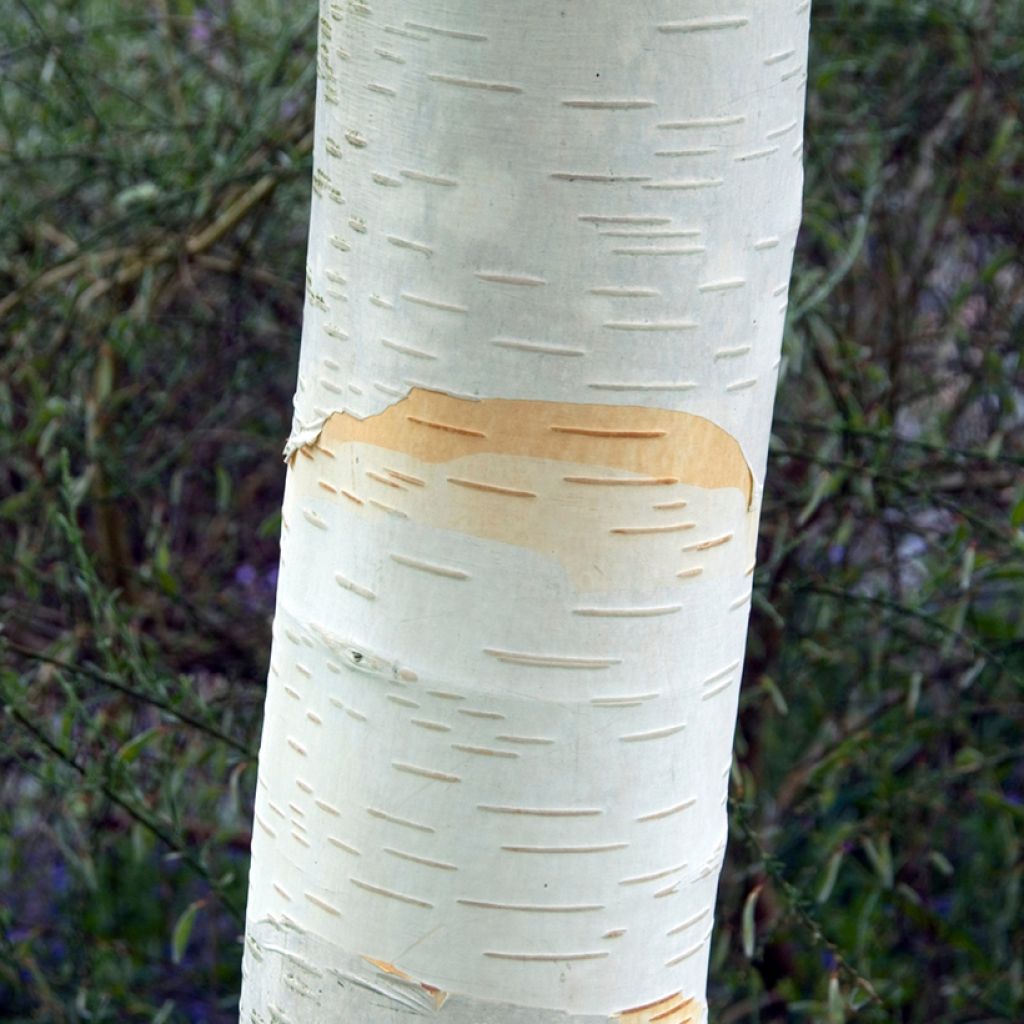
(433, 427)
(559, 479)
(673, 1009)
(545, 293)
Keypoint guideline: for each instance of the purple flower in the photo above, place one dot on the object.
(201, 31)
(59, 878)
(246, 575)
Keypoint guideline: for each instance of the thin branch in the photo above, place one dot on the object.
(155, 827)
(115, 684)
(797, 902)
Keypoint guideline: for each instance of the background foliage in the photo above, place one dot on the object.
(155, 182)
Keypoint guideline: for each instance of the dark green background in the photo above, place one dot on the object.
(153, 213)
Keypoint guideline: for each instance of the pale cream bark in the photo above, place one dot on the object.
(548, 263)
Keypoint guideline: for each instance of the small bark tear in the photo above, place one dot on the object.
(437, 996)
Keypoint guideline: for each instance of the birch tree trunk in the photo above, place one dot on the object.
(550, 249)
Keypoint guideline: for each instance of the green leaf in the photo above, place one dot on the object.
(825, 485)
(967, 760)
(131, 750)
(880, 855)
(223, 488)
(183, 930)
(914, 692)
(831, 874)
(164, 1013)
(836, 1010)
(1017, 515)
(749, 923)
(143, 192)
(162, 568)
(270, 527)
(775, 694)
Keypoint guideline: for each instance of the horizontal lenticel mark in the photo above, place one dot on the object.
(607, 432)
(618, 481)
(448, 427)
(478, 485)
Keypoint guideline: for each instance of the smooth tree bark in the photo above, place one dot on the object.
(550, 249)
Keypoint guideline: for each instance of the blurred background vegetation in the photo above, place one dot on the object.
(155, 195)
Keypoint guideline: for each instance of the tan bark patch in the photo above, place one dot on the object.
(624, 498)
(657, 444)
(673, 1009)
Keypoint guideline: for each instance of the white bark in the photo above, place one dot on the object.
(550, 248)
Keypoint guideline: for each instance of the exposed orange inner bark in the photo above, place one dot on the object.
(437, 995)
(659, 445)
(387, 968)
(673, 1009)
